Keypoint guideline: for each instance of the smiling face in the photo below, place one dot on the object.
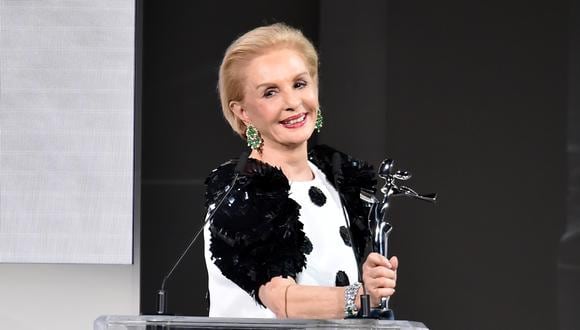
(280, 99)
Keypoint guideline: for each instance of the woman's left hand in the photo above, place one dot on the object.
(380, 276)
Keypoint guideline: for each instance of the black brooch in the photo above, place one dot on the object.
(341, 279)
(345, 236)
(316, 196)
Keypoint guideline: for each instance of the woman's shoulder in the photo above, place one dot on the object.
(341, 169)
(255, 179)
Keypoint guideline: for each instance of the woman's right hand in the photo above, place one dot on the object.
(379, 276)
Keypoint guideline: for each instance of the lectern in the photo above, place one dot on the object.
(152, 322)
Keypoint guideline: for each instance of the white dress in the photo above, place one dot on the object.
(329, 255)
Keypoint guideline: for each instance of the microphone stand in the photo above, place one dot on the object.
(380, 226)
(162, 293)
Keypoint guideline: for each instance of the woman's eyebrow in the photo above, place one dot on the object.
(268, 84)
(301, 74)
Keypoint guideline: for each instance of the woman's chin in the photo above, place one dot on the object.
(295, 144)
(288, 144)
(301, 140)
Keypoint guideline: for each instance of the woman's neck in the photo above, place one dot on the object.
(292, 161)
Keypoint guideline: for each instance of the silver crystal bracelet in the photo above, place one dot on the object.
(350, 293)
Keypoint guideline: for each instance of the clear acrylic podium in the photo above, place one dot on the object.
(153, 322)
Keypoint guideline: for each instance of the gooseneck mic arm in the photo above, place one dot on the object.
(162, 293)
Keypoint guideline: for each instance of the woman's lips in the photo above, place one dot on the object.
(294, 121)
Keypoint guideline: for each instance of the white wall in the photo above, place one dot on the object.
(65, 297)
(62, 60)
(66, 131)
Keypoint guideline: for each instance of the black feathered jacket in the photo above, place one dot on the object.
(256, 234)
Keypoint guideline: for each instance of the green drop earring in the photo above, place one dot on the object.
(319, 120)
(253, 137)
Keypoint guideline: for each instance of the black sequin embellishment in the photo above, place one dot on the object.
(259, 235)
(341, 279)
(316, 196)
(345, 236)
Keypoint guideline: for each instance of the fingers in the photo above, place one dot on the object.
(374, 259)
(380, 276)
(378, 272)
(394, 262)
(382, 283)
(379, 287)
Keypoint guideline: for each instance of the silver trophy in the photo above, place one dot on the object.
(379, 224)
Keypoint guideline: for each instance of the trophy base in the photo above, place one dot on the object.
(382, 314)
(377, 314)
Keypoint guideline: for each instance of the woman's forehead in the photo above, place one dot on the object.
(277, 65)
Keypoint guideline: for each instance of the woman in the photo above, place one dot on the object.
(282, 245)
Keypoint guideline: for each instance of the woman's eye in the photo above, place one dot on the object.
(300, 84)
(269, 93)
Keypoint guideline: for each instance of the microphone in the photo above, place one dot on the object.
(338, 178)
(162, 293)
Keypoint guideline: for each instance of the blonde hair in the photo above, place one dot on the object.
(249, 46)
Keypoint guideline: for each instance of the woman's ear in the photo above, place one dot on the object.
(238, 110)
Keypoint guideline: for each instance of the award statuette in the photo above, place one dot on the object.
(380, 226)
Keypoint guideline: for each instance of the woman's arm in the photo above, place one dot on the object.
(286, 299)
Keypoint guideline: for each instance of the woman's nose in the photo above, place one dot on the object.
(292, 100)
